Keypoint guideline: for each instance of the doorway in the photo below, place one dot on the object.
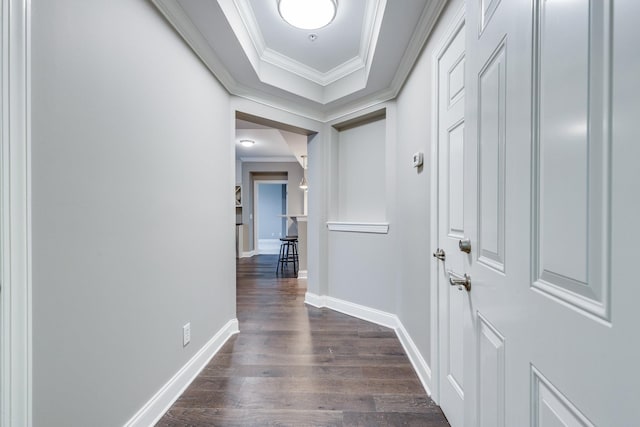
(270, 220)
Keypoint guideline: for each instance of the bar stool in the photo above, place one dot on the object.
(288, 253)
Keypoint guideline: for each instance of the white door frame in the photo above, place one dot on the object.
(256, 182)
(456, 23)
(15, 216)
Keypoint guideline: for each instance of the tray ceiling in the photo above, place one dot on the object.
(361, 58)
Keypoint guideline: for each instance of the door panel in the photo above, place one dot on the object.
(571, 169)
(491, 374)
(491, 159)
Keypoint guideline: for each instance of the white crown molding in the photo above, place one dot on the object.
(177, 17)
(185, 27)
(371, 32)
(427, 21)
(288, 64)
(250, 30)
(160, 403)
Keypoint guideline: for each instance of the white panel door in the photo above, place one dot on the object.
(551, 206)
(450, 71)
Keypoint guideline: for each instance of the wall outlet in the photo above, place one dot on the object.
(186, 334)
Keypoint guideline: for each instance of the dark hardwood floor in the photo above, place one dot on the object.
(295, 365)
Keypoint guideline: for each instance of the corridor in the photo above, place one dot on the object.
(295, 365)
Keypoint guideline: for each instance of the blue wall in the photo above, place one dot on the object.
(270, 206)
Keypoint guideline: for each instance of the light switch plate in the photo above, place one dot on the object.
(186, 334)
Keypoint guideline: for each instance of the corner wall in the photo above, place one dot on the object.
(132, 216)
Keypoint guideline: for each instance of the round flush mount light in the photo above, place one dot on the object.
(308, 14)
(247, 142)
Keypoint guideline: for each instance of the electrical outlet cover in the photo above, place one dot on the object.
(186, 334)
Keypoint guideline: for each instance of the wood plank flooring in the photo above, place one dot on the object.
(294, 365)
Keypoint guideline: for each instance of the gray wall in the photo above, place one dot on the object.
(361, 173)
(295, 198)
(361, 266)
(132, 236)
(415, 132)
(387, 272)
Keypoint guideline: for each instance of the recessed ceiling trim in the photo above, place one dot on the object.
(323, 79)
(371, 31)
(183, 24)
(250, 31)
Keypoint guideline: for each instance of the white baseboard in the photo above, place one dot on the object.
(362, 312)
(419, 364)
(314, 300)
(381, 318)
(302, 274)
(160, 403)
(248, 254)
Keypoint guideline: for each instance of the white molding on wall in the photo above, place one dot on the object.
(369, 314)
(160, 403)
(419, 364)
(248, 254)
(303, 274)
(381, 318)
(359, 227)
(16, 368)
(315, 300)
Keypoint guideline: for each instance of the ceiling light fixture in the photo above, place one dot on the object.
(304, 185)
(247, 142)
(308, 14)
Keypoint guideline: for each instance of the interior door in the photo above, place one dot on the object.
(450, 65)
(550, 340)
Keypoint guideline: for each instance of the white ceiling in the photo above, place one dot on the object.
(271, 144)
(361, 58)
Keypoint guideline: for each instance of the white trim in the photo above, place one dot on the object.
(185, 27)
(359, 227)
(15, 226)
(246, 28)
(369, 314)
(419, 364)
(303, 274)
(314, 300)
(457, 21)
(381, 318)
(248, 254)
(160, 403)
